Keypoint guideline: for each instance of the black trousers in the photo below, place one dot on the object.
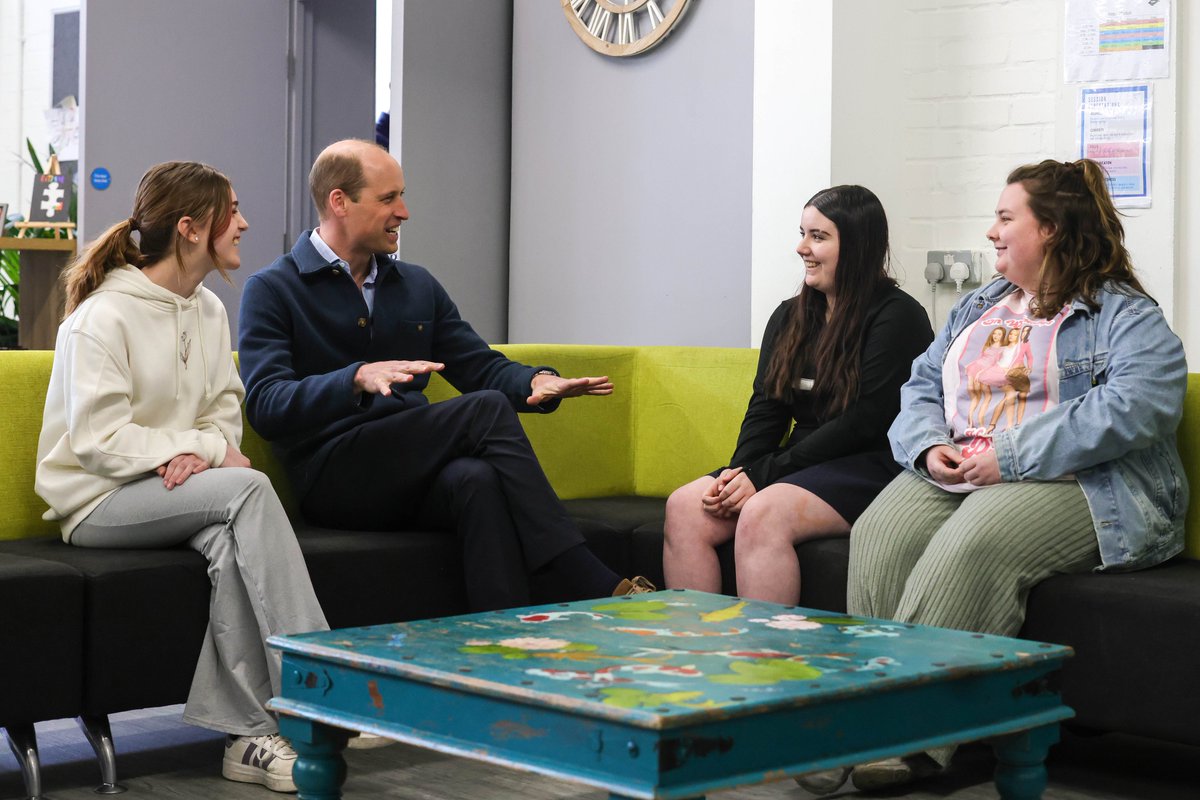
(461, 465)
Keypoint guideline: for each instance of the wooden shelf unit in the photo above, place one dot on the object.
(42, 296)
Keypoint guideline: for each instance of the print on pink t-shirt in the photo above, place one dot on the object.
(1000, 371)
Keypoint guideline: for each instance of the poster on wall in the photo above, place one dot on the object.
(51, 199)
(1114, 130)
(62, 126)
(1116, 40)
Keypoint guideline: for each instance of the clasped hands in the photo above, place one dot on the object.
(946, 465)
(184, 465)
(725, 496)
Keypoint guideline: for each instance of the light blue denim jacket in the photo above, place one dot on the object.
(1122, 378)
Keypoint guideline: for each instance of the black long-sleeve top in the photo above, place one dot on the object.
(897, 331)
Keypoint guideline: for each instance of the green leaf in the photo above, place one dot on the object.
(37, 162)
(767, 671)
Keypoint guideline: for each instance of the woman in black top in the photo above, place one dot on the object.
(833, 359)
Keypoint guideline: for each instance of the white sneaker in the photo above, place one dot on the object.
(825, 781)
(368, 741)
(260, 759)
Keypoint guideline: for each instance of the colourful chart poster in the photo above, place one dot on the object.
(1114, 130)
(1116, 40)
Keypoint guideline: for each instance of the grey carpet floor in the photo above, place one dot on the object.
(160, 757)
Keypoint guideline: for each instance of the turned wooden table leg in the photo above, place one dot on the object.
(320, 768)
(1021, 762)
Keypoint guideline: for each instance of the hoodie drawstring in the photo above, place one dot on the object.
(178, 344)
(208, 377)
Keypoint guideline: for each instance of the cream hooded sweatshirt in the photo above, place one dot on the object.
(140, 376)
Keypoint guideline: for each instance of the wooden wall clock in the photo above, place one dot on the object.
(622, 27)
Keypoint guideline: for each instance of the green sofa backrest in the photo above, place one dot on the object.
(24, 376)
(674, 415)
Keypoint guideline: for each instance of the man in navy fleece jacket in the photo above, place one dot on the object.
(337, 340)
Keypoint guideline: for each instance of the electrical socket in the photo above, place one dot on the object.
(966, 275)
(983, 264)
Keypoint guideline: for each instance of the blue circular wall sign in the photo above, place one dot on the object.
(100, 178)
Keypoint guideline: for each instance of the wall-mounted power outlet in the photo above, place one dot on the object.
(983, 264)
(959, 266)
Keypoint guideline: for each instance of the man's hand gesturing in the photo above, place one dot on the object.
(378, 376)
(554, 387)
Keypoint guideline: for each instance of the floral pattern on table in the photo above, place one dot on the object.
(678, 650)
(641, 674)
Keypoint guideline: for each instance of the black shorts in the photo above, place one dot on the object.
(849, 483)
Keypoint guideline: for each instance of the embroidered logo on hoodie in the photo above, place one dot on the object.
(185, 348)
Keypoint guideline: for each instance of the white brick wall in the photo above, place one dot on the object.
(10, 99)
(26, 76)
(935, 101)
(979, 82)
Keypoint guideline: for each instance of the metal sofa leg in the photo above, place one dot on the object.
(23, 743)
(99, 735)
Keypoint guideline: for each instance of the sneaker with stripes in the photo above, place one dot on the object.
(260, 759)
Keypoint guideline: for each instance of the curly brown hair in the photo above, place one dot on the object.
(1086, 246)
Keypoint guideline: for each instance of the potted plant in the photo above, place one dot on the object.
(10, 265)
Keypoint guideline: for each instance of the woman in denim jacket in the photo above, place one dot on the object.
(1088, 478)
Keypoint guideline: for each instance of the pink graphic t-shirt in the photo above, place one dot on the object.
(999, 371)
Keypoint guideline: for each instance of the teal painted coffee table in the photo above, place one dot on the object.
(669, 695)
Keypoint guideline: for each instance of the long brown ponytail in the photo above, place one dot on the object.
(167, 193)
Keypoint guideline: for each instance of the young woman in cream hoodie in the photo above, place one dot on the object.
(139, 447)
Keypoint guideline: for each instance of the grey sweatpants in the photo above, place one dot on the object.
(965, 561)
(260, 585)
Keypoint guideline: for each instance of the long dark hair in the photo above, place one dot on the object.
(1086, 246)
(167, 193)
(833, 349)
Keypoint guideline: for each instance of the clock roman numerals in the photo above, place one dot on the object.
(639, 24)
(627, 29)
(601, 19)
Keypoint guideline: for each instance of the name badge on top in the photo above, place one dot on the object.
(805, 384)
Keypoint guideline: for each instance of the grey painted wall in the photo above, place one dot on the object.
(632, 183)
(187, 81)
(66, 56)
(454, 146)
(209, 82)
(333, 88)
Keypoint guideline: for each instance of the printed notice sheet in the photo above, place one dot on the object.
(1116, 40)
(1114, 130)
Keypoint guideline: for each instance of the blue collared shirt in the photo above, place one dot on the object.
(368, 287)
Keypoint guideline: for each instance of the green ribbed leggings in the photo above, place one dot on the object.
(966, 561)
